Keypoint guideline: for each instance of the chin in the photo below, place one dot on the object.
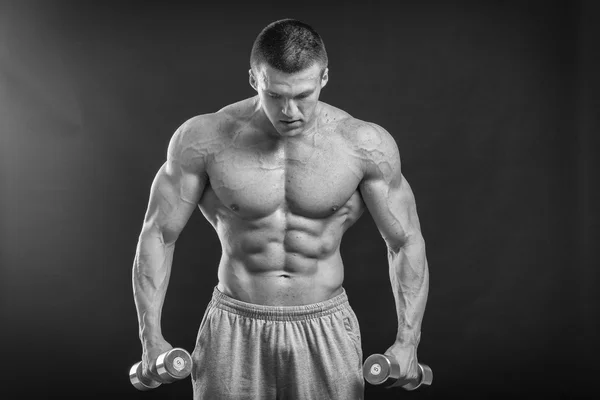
(290, 131)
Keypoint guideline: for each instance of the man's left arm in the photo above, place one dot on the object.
(391, 203)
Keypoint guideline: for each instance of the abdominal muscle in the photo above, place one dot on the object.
(270, 267)
(280, 259)
(277, 287)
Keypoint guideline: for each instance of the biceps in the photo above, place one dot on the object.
(173, 197)
(393, 209)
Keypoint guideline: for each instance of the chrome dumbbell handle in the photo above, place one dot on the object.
(171, 366)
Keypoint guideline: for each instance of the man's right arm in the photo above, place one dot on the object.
(175, 192)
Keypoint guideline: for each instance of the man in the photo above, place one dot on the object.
(281, 176)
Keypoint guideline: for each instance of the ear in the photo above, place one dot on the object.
(325, 77)
(252, 80)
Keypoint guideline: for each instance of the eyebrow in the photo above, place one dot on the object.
(306, 93)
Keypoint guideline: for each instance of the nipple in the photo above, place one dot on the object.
(334, 208)
(234, 207)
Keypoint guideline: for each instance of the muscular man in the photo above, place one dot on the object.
(281, 176)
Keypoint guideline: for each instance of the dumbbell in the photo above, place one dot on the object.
(171, 365)
(380, 369)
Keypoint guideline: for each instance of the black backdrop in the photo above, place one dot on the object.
(493, 107)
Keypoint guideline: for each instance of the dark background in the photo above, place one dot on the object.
(494, 110)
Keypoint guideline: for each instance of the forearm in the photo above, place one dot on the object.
(151, 272)
(409, 276)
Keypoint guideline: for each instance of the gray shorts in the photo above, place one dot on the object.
(249, 351)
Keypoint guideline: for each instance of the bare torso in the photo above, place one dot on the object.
(280, 205)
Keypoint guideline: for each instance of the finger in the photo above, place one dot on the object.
(425, 378)
(138, 380)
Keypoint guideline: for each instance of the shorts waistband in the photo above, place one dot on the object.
(280, 313)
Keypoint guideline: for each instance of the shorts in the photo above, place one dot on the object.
(250, 351)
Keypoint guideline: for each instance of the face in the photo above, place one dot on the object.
(289, 100)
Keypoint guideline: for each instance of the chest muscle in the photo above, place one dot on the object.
(309, 179)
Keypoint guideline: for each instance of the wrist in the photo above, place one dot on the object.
(150, 336)
(408, 339)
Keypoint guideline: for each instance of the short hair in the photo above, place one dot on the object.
(289, 46)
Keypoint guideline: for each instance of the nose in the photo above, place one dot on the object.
(290, 108)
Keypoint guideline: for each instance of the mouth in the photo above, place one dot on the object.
(294, 122)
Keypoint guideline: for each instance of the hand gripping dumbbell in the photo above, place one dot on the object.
(171, 365)
(381, 369)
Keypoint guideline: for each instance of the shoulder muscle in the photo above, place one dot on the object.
(378, 151)
(193, 142)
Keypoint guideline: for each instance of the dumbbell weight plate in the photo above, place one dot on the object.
(174, 365)
(378, 369)
(135, 374)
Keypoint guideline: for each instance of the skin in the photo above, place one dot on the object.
(280, 196)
